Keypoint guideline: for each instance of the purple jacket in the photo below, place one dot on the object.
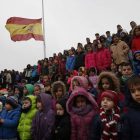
(43, 121)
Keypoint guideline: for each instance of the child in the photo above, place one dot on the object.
(34, 73)
(90, 58)
(62, 66)
(103, 57)
(66, 53)
(105, 42)
(82, 107)
(9, 118)
(136, 59)
(93, 76)
(58, 77)
(132, 120)
(70, 62)
(39, 67)
(23, 82)
(45, 70)
(47, 87)
(40, 80)
(113, 67)
(58, 91)
(104, 124)
(66, 77)
(62, 126)
(43, 119)
(119, 71)
(28, 112)
(83, 72)
(50, 68)
(37, 90)
(55, 69)
(109, 38)
(45, 79)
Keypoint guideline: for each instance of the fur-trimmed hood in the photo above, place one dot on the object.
(133, 31)
(82, 80)
(103, 37)
(53, 89)
(111, 76)
(80, 91)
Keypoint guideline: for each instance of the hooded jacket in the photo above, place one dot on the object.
(106, 43)
(80, 125)
(34, 72)
(25, 121)
(70, 63)
(136, 65)
(8, 129)
(43, 120)
(103, 58)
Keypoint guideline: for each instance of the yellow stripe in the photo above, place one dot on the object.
(15, 29)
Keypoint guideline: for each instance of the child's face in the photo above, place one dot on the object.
(70, 52)
(108, 34)
(120, 69)
(17, 91)
(102, 71)
(105, 84)
(59, 93)
(63, 60)
(25, 91)
(137, 56)
(135, 92)
(45, 63)
(137, 32)
(60, 110)
(59, 78)
(127, 71)
(89, 49)
(47, 88)
(102, 39)
(50, 62)
(45, 78)
(79, 49)
(37, 91)
(26, 103)
(8, 107)
(75, 84)
(92, 73)
(122, 34)
(113, 66)
(39, 106)
(99, 46)
(80, 73)
(55, 61)
(80, 101)
(107, 103)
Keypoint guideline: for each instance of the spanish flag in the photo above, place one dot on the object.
(24, 29)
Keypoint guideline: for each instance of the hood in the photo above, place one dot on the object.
(82, 80)
(56, 77)
(95, 71)
(84, 70)
(30, 88)
(113, 77)
(103, 37)
(134, 59)
(47, 102)
(138, 26)
(33, 99)
(75, 73)
(76, 92)
(20, 88)
(124, 31)
(54, 86)
(35, 66)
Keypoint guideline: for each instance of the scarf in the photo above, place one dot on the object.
(83, 110)
(25, 110)
(126, 78)
(135, 105)
(110, 130)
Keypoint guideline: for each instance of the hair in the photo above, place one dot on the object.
(63, 57)
(23, 81)
(56, 86)
(119, 26)
(97, 34)
(27, 98)
(87, 38)
(103, 46)
(47, 84)
(133, 81)
(75, 80)
(107, 32)
(39, 62)
(127, 64)
(88, 46)
(11, 94)
(72, 72)
(80, 46)
(92, 69)
(56, 59)
(132, 21)
(38, 99)
(40, 77)
(113, 63)
(114, 36)
(38, 86)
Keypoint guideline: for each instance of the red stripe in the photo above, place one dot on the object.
(22, 21)
(28, 36)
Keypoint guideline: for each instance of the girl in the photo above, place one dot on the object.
(90, 58)
(58, 91)
(37, 90)
(82, 107)
(93, 76)
(103, 57)
(39, 67)
(62, 126)
(83, 72)
(46, 79)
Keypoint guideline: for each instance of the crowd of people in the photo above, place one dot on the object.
(88, 93)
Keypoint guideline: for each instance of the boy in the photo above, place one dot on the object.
(55, 68)
(45, 70)
(136, 60)
(113, 67)
(70, 63)
(23, 82)
(109, 38)
(62, 66)
(127, 72)
(9, 118)
(132, 118)
(47, 87)
(25, 122)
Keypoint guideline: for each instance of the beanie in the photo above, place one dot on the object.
(112, 95)
(12, 101)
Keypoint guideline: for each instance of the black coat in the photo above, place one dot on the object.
(45, 70)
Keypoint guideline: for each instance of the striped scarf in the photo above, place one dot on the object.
(110, 130)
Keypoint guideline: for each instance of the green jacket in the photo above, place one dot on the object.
(25, 121)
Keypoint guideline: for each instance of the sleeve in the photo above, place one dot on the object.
(108, 56)
(67, 68)
(95, 57)
(126, 49)
(86, 63)
(135, 70)
(73, 63)
(33, 127)
(73, 130)
(133, 46)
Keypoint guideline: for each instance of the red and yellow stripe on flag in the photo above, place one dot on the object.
(24, 29)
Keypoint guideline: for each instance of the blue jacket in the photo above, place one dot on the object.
(136, 65)
(94, 92)
(34, 73)
(70, 63)
(8, 129)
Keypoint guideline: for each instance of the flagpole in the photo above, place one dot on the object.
(44, 44)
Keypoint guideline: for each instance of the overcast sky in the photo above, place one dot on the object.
(67, 22)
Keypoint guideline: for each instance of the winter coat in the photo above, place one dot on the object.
(136, 65)
(28, 72)
(119, 33)
(80, 125)
(39, 68)
(93, 79)
(50, 70)
(90, 60)
(25, 121)
(62, 68)
(70, 63)
(45, 70)
(80, 60)
(34, 72)
(8, 129)
(55, 68)
(119, 52)
(109, 39)
(93, 92)
(103, 58)
(43, 121)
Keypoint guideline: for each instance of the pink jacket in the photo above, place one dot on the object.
(103, 59)
(90, 60)
(80, 125)
(39, 69)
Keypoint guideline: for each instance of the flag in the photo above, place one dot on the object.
(24, 29)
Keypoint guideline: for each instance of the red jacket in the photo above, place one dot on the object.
(62, 68)
(136, 44)
(103, 58)
(39, 69)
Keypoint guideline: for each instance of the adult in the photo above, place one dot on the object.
(133, 25)
(105, 42)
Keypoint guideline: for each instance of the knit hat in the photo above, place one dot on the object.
(112, 95)
(124, 31)
(13, 101)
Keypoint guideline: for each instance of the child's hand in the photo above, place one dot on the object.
(1, 120)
